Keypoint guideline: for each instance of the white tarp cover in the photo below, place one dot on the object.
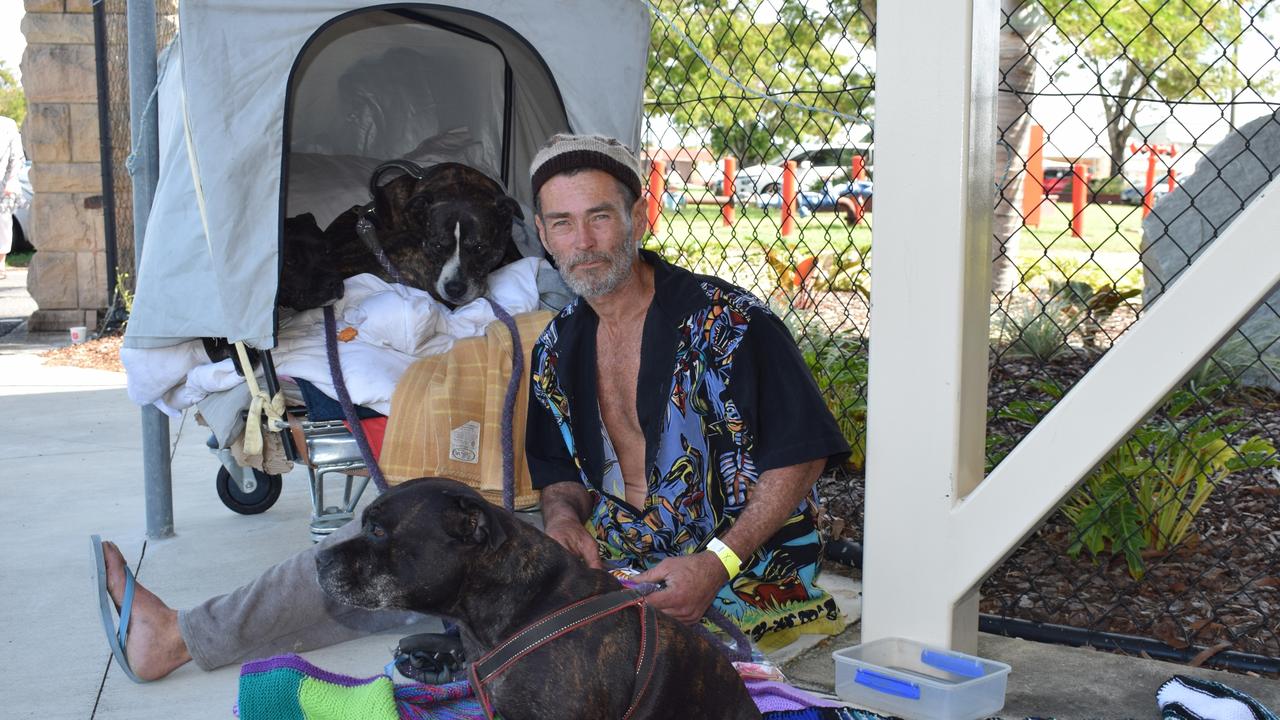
(229, 78)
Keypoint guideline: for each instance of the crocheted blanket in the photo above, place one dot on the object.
(286, 687)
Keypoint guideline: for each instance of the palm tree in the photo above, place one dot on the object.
(1022, 23)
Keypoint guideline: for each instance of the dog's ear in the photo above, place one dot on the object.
(416, 210)
(473, 522)
(506, 203)
(389, 200)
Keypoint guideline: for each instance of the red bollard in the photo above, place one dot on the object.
(657, 182)
(1078, 195)
(788, 198)
(1033, 181)
(730, 174)
(1148, 194)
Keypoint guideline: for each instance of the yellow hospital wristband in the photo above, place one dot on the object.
(732, 563)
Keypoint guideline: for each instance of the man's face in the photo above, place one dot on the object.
(586, 226)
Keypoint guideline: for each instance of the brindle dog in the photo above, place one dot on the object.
(436, 546)
(443, 233)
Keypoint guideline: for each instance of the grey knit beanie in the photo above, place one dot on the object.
(565, 152)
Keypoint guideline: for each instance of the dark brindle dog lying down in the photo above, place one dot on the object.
(436, 546)
(443, 233)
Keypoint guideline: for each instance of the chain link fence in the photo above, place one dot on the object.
(758, 130)
(117, 103)
(1131, 131)
(1136, 130)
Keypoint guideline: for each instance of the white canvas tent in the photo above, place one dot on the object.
(317, 91)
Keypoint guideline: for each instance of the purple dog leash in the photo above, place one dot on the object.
(509, 407)
(344, 399)
(741, 650)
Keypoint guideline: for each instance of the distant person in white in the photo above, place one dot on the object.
(11, 161)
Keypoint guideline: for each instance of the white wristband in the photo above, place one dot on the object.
(732, 563)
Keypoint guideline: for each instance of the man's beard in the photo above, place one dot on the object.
(595, 282)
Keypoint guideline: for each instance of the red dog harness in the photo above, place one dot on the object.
(565, 620)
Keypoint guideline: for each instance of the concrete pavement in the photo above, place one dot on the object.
(1054, 681)
(71, 459)
(71, 464)
(15, 303)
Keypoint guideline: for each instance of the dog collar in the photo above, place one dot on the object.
(561, 622)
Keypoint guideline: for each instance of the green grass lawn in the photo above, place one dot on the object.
(693, 227)
(696, 236)
(1108, 252)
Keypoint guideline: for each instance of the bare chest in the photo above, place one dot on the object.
(617, 370)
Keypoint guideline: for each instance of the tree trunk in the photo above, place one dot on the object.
(1017, 83)
(1121, 113)
(1116, 134)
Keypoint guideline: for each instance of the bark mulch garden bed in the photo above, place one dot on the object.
(1219, 590)
(102, 353)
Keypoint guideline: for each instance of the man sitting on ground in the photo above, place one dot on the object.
(673, 429)
(673, 415)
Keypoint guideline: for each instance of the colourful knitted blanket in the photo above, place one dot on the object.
(286, 687)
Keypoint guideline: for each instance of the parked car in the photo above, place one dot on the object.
(713, 179)
(823, 199)
(805, 201)
(22, 216)
(674, 194)
(1057, 182)
(1132, 194)
(816, 165)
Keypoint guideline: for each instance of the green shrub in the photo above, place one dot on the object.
(1109, 186)
(1146, 494)
(1032, 327)
(13, 102)
(1036, 328)
(839, 365)
(126, 295)
(1239, 357)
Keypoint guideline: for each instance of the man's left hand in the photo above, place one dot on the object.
(692, 581)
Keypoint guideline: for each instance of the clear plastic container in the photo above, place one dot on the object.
(919, 682)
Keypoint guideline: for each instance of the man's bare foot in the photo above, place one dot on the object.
(154, 646)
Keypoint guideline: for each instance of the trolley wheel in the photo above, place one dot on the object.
(260, 500)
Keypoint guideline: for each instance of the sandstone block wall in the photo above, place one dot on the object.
(61, 139)
(68, 275)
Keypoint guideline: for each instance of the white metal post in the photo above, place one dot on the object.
(935, 133)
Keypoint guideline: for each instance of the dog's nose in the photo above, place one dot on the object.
(455, 288)
(323, 560)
